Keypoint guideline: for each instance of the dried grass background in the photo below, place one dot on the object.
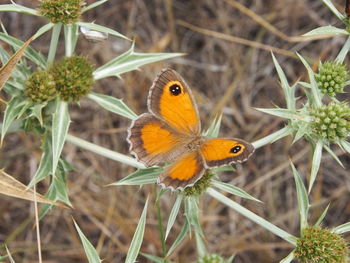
(226, 75)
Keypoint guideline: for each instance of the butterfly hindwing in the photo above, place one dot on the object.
(184, 172)
(171, 100)
(219, 151)
(152, 141)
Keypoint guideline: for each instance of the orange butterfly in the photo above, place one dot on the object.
(171, 132)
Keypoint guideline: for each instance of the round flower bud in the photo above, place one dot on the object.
(332, 121)
(40, 87)
(61, 11)
(200, 186)
(73, 77)
(317, 245)
(331, 78)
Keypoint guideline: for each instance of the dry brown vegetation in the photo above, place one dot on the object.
(229, 67)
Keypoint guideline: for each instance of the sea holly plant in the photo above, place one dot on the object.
(191, 196)
(332, 30)
(316, 243)
(322, 119)
(39, 95)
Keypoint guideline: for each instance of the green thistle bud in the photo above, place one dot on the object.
(332, 121)
(61, 11)
(200, 186)
(73, 77)
(211, 258)
(317, 245)
(40, 87)
(331, 78)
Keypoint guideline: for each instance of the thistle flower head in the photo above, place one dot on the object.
(331, 78)
(332, 121)
(61, 11)
(73, 77)
(211, 258)
(200, 186)
(317, 245)
(40, 87)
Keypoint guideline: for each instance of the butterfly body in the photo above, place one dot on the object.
(171, 132)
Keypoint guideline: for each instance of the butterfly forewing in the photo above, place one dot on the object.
(171, 100)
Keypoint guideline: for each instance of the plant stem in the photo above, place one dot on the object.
(160, 227)
(53, 44)
(103, 151)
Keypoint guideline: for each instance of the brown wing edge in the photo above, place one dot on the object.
(134, 139)
(174, 184)
(169, 74)
(231, 160)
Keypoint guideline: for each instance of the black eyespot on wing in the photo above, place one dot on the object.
(175, 89)
(236, 149)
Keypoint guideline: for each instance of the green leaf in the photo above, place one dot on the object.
(129, 61)
(60, 125)
(285, 113)
(192, 213)
(60, 183)
(320, 219)
(45, 166)
(43, 30)
(316, 161)
(303, 199)
(343, 52)
(93, 5)
(112, 104)
(138, 237)
(303, 128)
(89, 249)
(317, 95)
(335, 11)
(273, 137)
(345, 144)
(250, 215)
(104, 151)
(213, 130)
(180, 237)
(335, 157)
(19, 9)
(326, 31)
(4, 56)
(102, 29)
(29, 53)
(36, 112)
(173, 215)
(140, 177)
(229, 188)
(305, 84)
(342, 228)
(13, 110)
(289, 92)
(288, 258)
(58, 190)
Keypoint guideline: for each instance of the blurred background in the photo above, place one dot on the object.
(229, 67)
